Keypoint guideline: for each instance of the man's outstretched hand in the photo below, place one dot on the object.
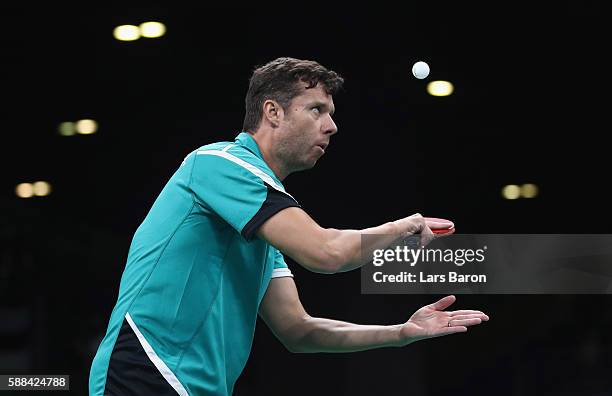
(432, 321)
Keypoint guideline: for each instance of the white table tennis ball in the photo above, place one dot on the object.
(420, 70)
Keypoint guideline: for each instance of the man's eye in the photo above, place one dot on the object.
(316, 109)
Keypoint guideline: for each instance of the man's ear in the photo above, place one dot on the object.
(273, 112)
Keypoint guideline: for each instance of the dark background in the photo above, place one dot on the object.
(530, 105)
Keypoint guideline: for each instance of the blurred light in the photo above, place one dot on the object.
(511, 191)
(66, 129)
(152, 29)
(440, 88)
(24, 190)
(41, 188)
(126, 33)
(529, 190)
(86, 127)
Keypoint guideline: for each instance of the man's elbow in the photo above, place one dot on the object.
(295, 348)
(329, 260)
(330, 257)
(299, 346)
(294, 338)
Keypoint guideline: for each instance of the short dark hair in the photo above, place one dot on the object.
(279, 80)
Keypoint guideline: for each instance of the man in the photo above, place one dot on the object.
(207, 258)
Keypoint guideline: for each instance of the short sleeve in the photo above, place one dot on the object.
(280, 267)
(232, 189)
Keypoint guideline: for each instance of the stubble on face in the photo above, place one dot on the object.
(292, 150)
(296, 148)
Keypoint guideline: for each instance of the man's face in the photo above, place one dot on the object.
(306, 128)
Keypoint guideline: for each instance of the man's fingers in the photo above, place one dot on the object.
(426, 236)
(450, 330)
(439, 224)
(469, 314)
(482, 317)
(455, 329)
(443, 303)
(465, 312)
(465, 322)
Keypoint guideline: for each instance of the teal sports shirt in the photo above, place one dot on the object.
(195, 276)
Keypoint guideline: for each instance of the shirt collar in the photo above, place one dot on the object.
(245, 139)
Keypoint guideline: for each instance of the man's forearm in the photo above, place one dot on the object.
(327, 335)
(356, 251)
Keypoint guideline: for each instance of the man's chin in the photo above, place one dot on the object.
(312, 163)
(305, 165)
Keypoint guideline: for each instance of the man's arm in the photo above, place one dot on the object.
(329, 250)
(283, 312)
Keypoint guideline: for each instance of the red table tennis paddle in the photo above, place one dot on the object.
(450, 228)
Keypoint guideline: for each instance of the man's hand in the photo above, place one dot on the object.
(432, 321)
(422, 227)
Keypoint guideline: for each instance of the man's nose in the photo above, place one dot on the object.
(330, 127)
